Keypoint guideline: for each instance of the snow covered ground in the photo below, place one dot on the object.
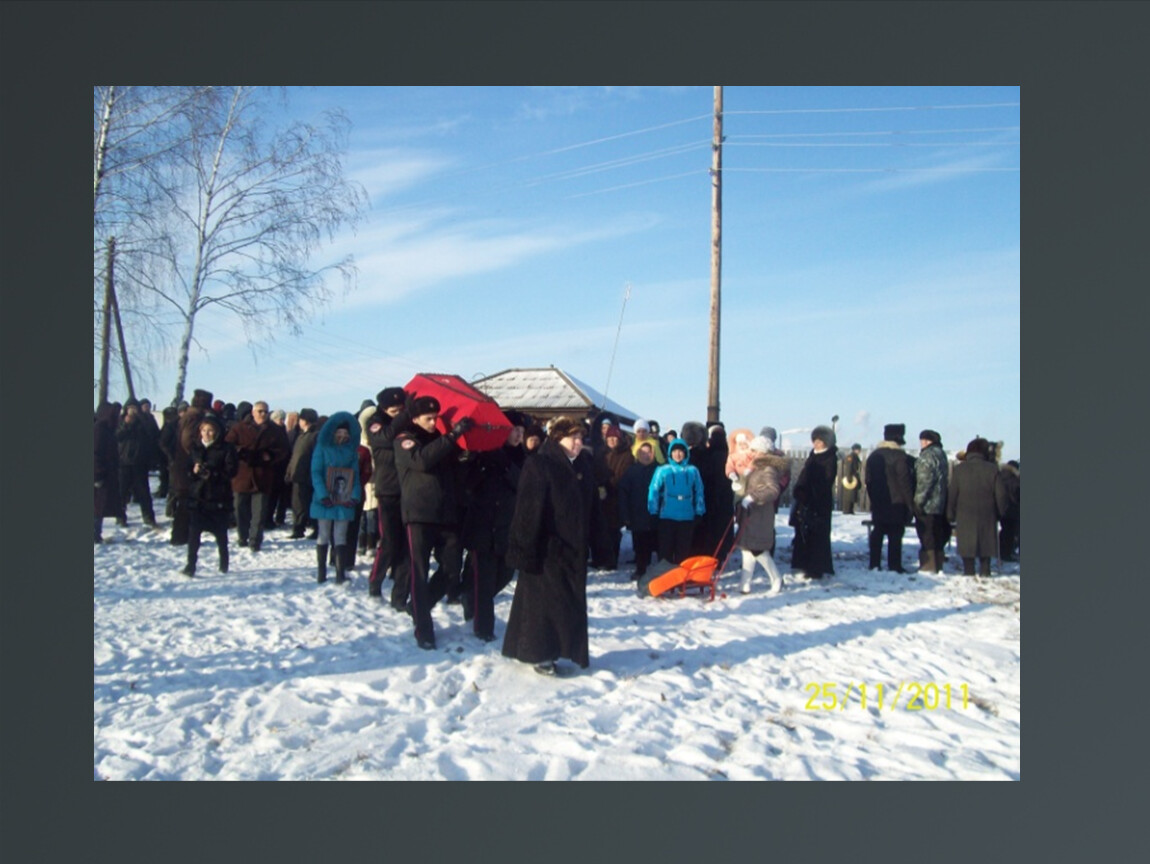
(262, 674)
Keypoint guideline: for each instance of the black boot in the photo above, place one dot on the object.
(321, 562)
(967, 566)
(341, 562)
(223, 546)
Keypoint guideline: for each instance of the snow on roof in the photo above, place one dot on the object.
(549, 389)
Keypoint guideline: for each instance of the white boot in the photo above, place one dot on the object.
(748, 572)
(772, 572)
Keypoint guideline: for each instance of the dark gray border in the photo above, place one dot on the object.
(1080, 73)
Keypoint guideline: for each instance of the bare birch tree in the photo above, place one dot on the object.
(214, 207)
(255, 205)
(136, 132)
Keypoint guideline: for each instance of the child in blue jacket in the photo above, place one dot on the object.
(676, 498)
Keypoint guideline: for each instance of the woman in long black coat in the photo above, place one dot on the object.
(813, 503)
(552, 528)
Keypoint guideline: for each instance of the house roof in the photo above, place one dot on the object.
(548, 390)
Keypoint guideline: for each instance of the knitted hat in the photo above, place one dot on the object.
(613, 431)
(642, 426)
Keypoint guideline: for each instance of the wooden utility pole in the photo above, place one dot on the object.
(716, 254)
(104, 349)
(111, 304)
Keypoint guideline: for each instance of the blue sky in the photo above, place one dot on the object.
(871, 255)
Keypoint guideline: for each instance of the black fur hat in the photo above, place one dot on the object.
(895, 432)
(390, 397)
(517, 418)
(424, 405)
(308, 415)
(825, 434)
(930, 435)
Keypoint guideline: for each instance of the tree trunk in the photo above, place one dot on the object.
(104, 347)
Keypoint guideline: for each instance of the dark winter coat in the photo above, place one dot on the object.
(211, 487)
(811, 513)
(633, 491)
(381, 432)
(977, 497)
(716, 490)
(930, 483)
(133, 443)
(261, 447)
(179, 463)
(491, 499)
(763, 486)
(430, 477)
(610, 466)
(106, 462)
(550, 534)
(299, 466)
(326, 462)
(889, 484)
(1011, 481)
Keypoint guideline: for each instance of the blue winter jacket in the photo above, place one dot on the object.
(676, 490)
(335, 467)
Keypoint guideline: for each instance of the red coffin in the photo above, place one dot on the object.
(459, 399)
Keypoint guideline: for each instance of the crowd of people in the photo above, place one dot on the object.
(445, 523)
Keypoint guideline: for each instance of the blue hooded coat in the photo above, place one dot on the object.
(332, 461)
(676, 490)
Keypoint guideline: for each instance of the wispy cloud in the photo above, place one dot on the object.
(386, 172)
(944, 172)
(411, 255)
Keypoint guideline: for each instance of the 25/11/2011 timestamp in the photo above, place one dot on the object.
(919, 696)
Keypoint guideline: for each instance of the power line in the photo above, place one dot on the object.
(880, 109)
(881, 132)
(934, 144)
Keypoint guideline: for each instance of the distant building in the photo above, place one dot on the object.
(549, 392)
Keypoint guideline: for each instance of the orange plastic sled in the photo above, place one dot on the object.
(696, 573)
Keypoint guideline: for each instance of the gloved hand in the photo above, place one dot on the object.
(460, 428)
(747, 502)
(327, 502)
